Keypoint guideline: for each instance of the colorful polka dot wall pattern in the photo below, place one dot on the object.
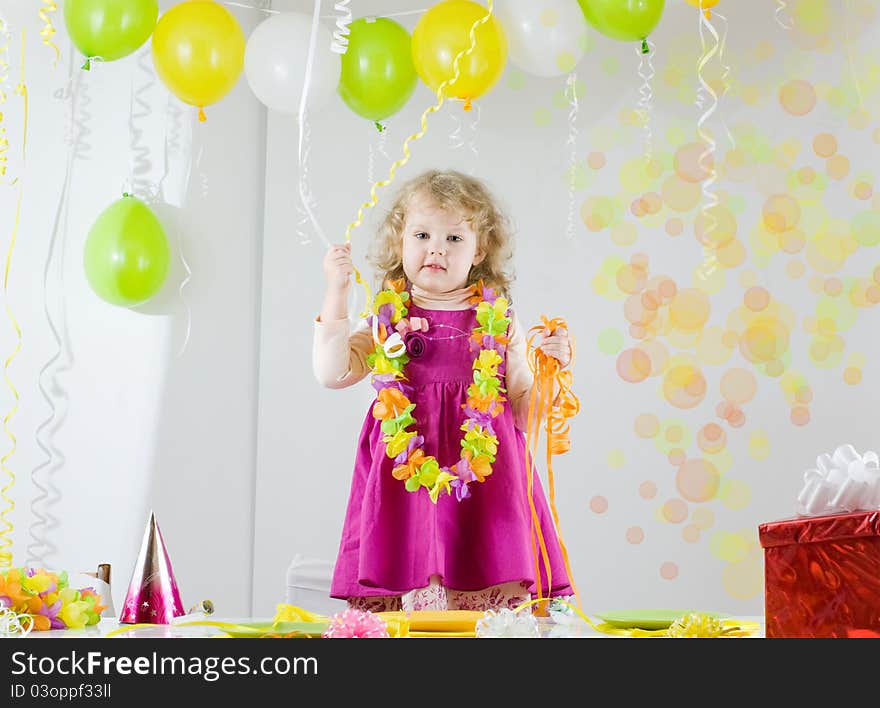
(737, 261)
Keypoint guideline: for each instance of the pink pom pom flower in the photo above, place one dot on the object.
(356, 624)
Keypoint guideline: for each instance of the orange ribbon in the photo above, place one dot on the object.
(547, 374)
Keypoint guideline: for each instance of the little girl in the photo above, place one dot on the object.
(439, 515)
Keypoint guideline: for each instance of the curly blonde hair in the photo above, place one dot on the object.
(449, 190)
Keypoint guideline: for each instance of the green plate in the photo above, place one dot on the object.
(250, 630)
(642, 619)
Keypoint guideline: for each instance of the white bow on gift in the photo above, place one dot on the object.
(843, 481)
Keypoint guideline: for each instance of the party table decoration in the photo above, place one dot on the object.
(153, 597)
(822, 567)
(841, 481)
(44, 600)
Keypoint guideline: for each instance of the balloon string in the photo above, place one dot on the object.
(646, 73)
(472, 142)
(5, 41)
(307, 199)
(41, 546)
(782, 18)
(48, 30)
(547, 375)
(571, 142)
(141, 166)
(455, 139)
(7, 526)
(441, 98)
(304, 192)
(343, 20)
(710, 199)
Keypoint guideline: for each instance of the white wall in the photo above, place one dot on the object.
(307, 434)
(143, 422)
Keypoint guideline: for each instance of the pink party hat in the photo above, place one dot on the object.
(152, 596)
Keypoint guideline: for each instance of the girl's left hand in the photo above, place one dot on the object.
(557, 345)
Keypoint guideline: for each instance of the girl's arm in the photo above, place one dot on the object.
(339, 359)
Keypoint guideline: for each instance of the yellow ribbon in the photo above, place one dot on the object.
(697, 625)
(49, 30)
(7, 526)
(441, 98)
(5, 38)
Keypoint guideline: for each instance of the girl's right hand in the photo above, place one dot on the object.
(338, 267)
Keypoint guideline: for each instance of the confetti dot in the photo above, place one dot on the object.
(806, 175)
(616, 459)
(674, 227)
(610, 341)
(781, 213)
(599, 505)
(690, 533)
(862, 190)
(795, 269)
(852, 376)
(596, 160)
(669, 571)
(647, 490)
(647, 425)
(633, 365)
(694, 162)
(759, 445)
(756, 298)
(635, 535)
(689, 310)
(837, 167)
(676, 456)
(684, 386)
(735, 494)
(800, 415)
(674, 511)
(797, 97)
(542, 116)
(697, 480)
(825, 145)
(744, 580)
(738, 386)
(711, 438)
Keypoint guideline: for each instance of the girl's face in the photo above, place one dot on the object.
(439, 247)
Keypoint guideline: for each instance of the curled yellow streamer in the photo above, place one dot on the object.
(441, 98)
(4, 77)
(48, 30)
(547, 374)
(5, 523)
(697, 625)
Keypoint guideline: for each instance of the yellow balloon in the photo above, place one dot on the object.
(198, 50)
(703, 4)
(443, 32)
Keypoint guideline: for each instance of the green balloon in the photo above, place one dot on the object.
(626, 20)
(126, 254)
(378, 75)
(109, 29)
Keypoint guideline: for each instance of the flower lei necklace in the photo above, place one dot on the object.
(388, 360)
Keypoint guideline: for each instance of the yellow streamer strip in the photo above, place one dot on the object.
(695, 622)
(6, 530)
(5, 39)
(49, 30)
(441, 98)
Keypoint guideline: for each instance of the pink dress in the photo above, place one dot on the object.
(394, 541)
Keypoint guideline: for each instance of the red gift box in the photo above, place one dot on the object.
(822, 575)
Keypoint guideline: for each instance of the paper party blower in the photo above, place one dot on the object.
(153, 597)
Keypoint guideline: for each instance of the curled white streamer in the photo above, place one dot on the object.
(571, 143)
(41, 547)
(646, 100)
(62, 361)
(380, 148)
(710, 199)
(343, 20)
(456, 140)
(306, 197)
(141, 166)
(13, 624)
(782, 18)
(472, 140)
(304, 192)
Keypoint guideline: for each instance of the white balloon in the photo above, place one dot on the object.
(275, 60)
(545, 37)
